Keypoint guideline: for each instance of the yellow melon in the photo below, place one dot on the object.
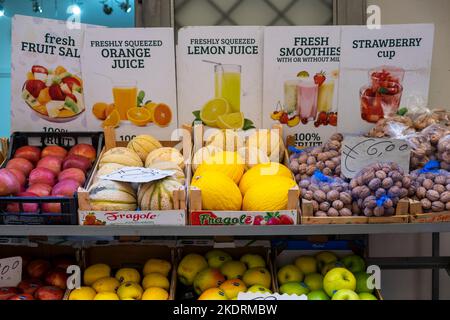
(269, 141)
(229, 163)
(252, 156)
(253, 176)
(143, 145)
(107, 195)
(268, 195)
(218, 191)
(165, 154)
(227, 140)
(203, 155)
(158, 195)
(121, 155)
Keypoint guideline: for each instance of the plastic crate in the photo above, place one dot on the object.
(69, 205)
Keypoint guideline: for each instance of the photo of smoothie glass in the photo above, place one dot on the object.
(227, 84)
(290, 95)
(307, 99)
(125, 97)
(325, 96)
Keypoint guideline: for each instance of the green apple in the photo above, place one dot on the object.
(253, 261)
(257, 288)
(354, 263)
(216, 258)
(325, 257)
(318, 295)
(297, 288)
(337, 279)
(367, 296)
(314, 281)
(345, 294)
(289, 273)
(331, 265)
(306, 264)
(361, 282)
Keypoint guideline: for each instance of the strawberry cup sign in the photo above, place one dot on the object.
(284, 217)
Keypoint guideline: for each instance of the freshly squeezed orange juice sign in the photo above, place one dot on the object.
(129, 75)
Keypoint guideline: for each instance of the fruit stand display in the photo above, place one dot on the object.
(127, 271)
(42, 173)
(239, 180)
(106, 202)
(330, 270)
(220, 271)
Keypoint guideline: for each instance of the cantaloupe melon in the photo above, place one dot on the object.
(165, 154)
(107, 168)
(107, 195)
(158, 195)
(143, 145)
(166, 165)
(121, 155)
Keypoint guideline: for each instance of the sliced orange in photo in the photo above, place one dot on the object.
(139, 116)
(162, 115)
(44, 96)
(113, 120)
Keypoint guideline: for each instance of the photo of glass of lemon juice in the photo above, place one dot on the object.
(125, 97)
(227, 84)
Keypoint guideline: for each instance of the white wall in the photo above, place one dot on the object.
(409, 284)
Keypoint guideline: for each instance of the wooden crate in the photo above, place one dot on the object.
(200, 216)
(401, 216)
(418, 216)
(3, 150)
(177, 216)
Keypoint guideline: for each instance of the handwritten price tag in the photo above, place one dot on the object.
(269, 296)
(138, 175)
(10, 271)
(359, 152)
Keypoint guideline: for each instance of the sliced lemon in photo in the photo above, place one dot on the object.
(139, 116)
(231, 121)
(212, 110)
(303, 74)
(113, 120)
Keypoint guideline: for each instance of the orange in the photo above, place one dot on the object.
(110, 108)
(99, 110)
(139, 116)
(113, 120)
(162, 115)
(150, 106)
(41, 109)
(64, 113)
(60, 70)
(44, 96)
(30, 76)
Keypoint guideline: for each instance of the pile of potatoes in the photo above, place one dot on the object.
(432, 189)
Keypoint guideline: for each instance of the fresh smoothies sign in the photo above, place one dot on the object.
(300, 82)
(384, 72)
(220, 76)
(46, 87)
(129, 75)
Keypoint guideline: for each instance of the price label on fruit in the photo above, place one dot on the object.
(138, 175)
(10, 271)
(269, 296)
(359, 152)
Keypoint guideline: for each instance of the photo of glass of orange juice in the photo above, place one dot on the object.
(227, 84)
(125, 97)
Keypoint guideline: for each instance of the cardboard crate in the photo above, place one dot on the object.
(285, 252)
(200, 216)
(418, 216)
(235, 248)
(401, 216)
(176, 216)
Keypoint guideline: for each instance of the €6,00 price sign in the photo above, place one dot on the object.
(10, 271)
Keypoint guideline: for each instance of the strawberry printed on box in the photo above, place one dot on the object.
(256, 218)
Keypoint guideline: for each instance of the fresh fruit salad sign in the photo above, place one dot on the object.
(384, 72)
(220, 76)
(301, 82)
(46, 86)
(129, 76)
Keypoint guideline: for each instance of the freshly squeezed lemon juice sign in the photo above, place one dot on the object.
(46, 87)
(301, 71)
(220, 76)
(129, 75)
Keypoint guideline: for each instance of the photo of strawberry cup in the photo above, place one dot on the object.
(380, 103)
(380, 75)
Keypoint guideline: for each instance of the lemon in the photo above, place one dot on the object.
(231, 121)
(82, 293)
(219, 192)
(155, 293)
(262, 171)
(212, 110)
(106, 296)
(128, 275)
(107, 284)
(155, 279)
(95, 272)
(268, 195)
(229, 163)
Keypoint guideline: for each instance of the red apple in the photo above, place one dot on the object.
(66, 188)
(57, 278)
(55, 151)
(38, 268)
(20, 164)
(8, 292)
(30, 285)
(51, 207)
(72, 173)
(63, 262)
(8, 183)
(56, 93)
(20, 176)
(49, 293)
(34, 87)
(74, 161)
(51, 162)
(84, 150)
(22, 296)
(41, 189)
(26, 206)
(42, 175)
(31, 153)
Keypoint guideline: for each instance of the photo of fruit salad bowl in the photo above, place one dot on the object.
(54, 95)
